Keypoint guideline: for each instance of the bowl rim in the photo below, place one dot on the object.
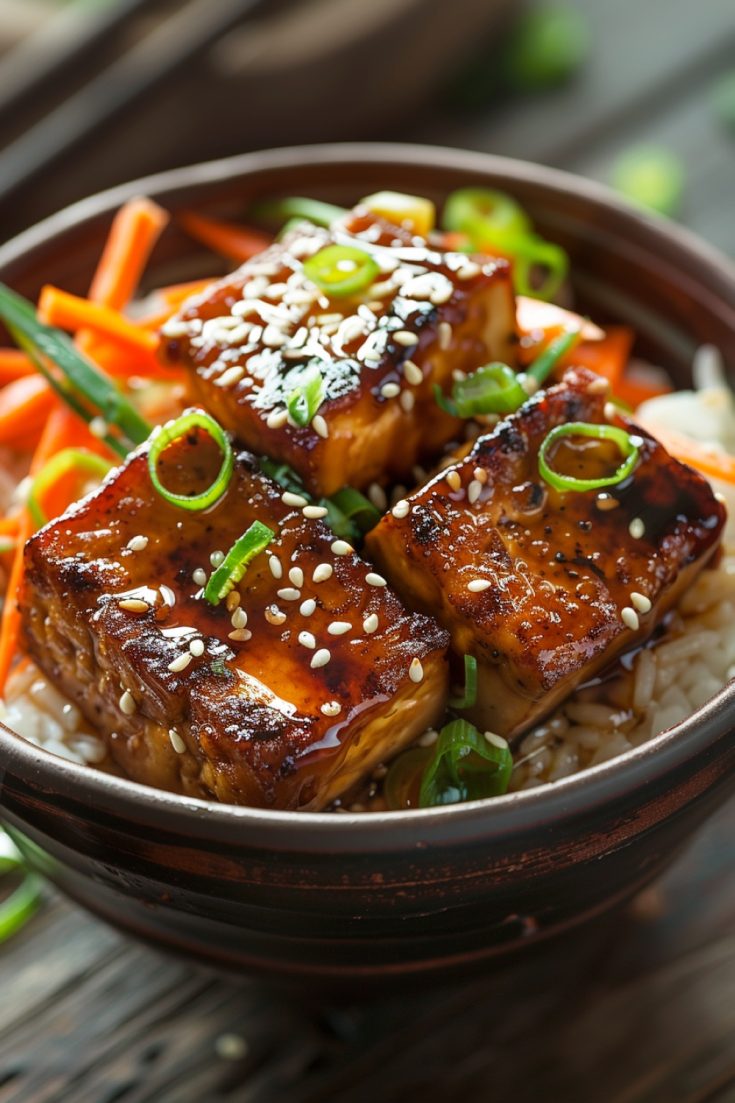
(383, 831)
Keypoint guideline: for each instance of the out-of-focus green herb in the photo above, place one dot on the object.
(723, 99)
(466, 765)
(652, 177)
(546, 47)
(17, 908)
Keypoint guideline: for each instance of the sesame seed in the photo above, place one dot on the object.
(134, 605)
(322, 572)
(629, 618)
(468, 271)
(197, 648)
(407, 401)
(480, 474)
(232, 600)
(529, 384)
(200, 576)
(598, 386)
(277, 419)
(429, 738)
(636, 528)
(400, 509)
(307, 639)
(275, 566)
(413, 373)
(180, 662)
(610, 411)
(176, 741)
(454, 480)
(217, 558)
(339, 627)
(241, 635)
(444, 335)
(378, 497)
(314, 513)
(296, 576)
(307, 607)
(239, 618)
(230, 376)
(606, 502)
(137, 543)
(474, 490)
(167, 594)
(98, 427)
(442, 294)
(274, 615)
(477, 585)
(390, 390)
(416, 671)
(496, 740)
(289, 594)
(320, 658)
(341, 547)
(320, 426)
(405, 337)
(720, 498)
(127, 703)
(374, 579)
(290, 499)
(331, 708)
(458, 375)
(370, 624)
(640, 602)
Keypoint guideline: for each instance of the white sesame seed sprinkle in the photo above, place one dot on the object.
(636, 528)
(274, 564)
(629, 618)
(290, 499)
(378, 497)
(413, 373)
(288, 593)
(240, 635)
(480, 474)
(320, 426)
(610, 411)
(274, 615)
(197, 648)
(390, 390)
(322, 572)
(98, 427)
(200, 576)
(474, 490)
(137, 543)
(496, 740)
(454, 480)
(134, 605)
(401, 508)
(331, 708)
(296, 575)
(232, 600)
(338, 627)
(239, 618)
(429, 738)
(307, 639)
(176, 741)
(277, 419)
(606, 502)
(468, 271)
(314, 513)
(416, 671)
(405, 338)
(640, 602)
(374, 579)
(370, 624)
(217, 558)
(407, 401)
(180, 662)
(320, 658)
(127, 703)
(477, 585)
(230, 376)
(307, 607)
(341, 547)
(598, 386)
(444, 335)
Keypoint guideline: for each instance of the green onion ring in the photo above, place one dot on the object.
(173, 431)
(307, 395)
(469, 696)
(492, 389)
(466, 765)
(341, 270)
(232, 568)
(63, 463)
(298, 206)
(355, 507)
(476, 210)
(629, 448)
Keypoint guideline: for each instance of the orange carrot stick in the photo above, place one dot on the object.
(634, 391)
(10, 620)
(236, 242)
(608, 357)
(24, 406)
(14, 364)
(59, 308)
(177, 293)
(135, 230)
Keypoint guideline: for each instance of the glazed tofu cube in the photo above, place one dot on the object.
(543, 586)
(379, 353)
(283, 695)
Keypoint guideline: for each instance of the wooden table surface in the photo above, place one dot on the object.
(648, 1014)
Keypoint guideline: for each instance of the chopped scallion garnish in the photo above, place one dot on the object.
(465, 765)
(651, 177)
(69, 461)
(232, 568)
(19, 906)
(167, 434)
(356, 508)
(549, 358)
(473, 210)
(469, 696)
(547, 46)
(628, 445)
(341, 270)
(307, 395)
(297, 206)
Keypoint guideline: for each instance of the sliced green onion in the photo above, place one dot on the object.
(81, 379)
(307, 395)
(628, 445)
(403, 780)
(651, 177)
(284, 475)
(473, 210)
(19, 906)
(548, 45)
(469, 696)
(356, 508)
(492, 389)
(465, 765)
(175, 430)
(341, 270)
(534, 257)
(349, 513)
(288, 226)
(556, 350)
(63, 463)
(232, 568)
(298, 206)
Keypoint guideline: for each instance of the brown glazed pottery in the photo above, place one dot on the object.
(322, 897)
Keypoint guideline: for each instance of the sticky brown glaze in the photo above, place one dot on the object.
(428, 312)
(252, 721)
(562, 573)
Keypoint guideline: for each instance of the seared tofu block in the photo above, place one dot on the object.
(283, 695)
(545, 587)
(247, 341)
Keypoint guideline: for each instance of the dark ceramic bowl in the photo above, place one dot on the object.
(343, 897)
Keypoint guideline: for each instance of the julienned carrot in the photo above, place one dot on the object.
(14, 364)
(177, 293)
(710, 461)
(608, 357)
(634, 391)
(59, 308)
(236, 242)
(123, 363)
(135, 230)
(24, 406)
(10, 620)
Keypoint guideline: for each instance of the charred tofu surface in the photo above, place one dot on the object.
(285, 694)
(542, 586)
(427, 313)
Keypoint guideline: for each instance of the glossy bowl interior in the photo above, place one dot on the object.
(324, 897)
